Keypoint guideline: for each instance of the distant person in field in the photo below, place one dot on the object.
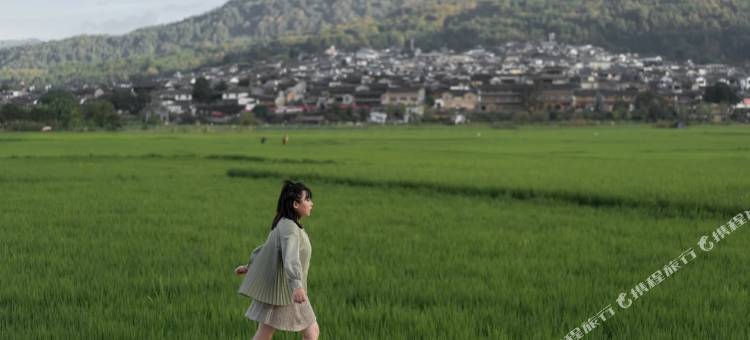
(285, 140)
(276, 275)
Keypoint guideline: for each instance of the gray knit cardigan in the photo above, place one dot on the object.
(279, 265)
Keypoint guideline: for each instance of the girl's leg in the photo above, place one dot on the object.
(264, 332)
(312, 332)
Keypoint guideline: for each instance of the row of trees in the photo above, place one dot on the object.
(60, 109)
(646, 107)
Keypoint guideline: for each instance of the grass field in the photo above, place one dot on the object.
(417, 233)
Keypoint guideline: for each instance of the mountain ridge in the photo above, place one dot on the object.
(705, 30)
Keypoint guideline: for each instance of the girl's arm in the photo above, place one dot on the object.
(253, 253)
(290, 255)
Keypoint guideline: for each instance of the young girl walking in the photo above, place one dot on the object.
(276, 275)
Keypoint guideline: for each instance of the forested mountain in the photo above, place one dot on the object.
(702, 30)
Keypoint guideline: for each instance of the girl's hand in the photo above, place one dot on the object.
(299, 295)
(241, 270)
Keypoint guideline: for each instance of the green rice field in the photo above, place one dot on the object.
(427, 232)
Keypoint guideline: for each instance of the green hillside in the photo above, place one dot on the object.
(702, 30)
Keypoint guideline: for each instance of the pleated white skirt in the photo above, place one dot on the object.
(294, 317)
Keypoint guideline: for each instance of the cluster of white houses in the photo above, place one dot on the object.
(510, 78)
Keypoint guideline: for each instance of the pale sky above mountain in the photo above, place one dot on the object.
(48, 19)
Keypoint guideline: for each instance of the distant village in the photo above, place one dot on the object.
(524, 81)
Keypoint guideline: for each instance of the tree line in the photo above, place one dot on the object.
(62, 110)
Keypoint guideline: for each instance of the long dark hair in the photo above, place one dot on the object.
(291, 192)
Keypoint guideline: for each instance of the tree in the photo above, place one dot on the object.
(621, 110)
(720, 93)
(396, 111)
(429, 100)
(202, 91)
(60, 106)
(101, 113)
(12, 112)
(221, 86)
(651, 107)
(261, 112)
(248, 118)
(126, 100)
(539, 116)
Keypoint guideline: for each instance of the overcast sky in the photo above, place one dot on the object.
(50, 19)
